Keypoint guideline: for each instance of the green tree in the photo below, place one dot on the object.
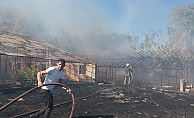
(152, 43)
(17, 21)
(181, 26)
(29, 74)
(99, 42)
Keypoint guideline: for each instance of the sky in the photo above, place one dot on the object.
(78, 16)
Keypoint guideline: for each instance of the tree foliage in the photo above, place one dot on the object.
(99, 41)
(152, 43)
(17, 21)
(181, 26)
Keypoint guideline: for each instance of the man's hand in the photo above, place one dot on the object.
(68, 90)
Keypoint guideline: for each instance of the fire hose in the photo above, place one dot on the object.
(20, 96)
(57, 105)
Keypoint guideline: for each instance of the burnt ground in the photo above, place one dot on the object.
(114, 101)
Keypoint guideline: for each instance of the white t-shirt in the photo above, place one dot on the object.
(53, 75)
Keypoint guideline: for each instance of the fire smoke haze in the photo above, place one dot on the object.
(83, 15)
(80, 16)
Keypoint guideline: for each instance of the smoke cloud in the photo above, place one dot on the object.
(78, 17)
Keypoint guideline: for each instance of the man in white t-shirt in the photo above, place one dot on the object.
(53, 75)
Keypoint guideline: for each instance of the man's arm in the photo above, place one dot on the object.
(39, 75)
(131, 75)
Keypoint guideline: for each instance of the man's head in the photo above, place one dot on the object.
(60, 64)
(127, 64)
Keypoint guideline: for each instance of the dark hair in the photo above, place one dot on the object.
(62, 61)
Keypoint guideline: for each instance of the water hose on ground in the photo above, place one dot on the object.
(57, 105)
(32, 89)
